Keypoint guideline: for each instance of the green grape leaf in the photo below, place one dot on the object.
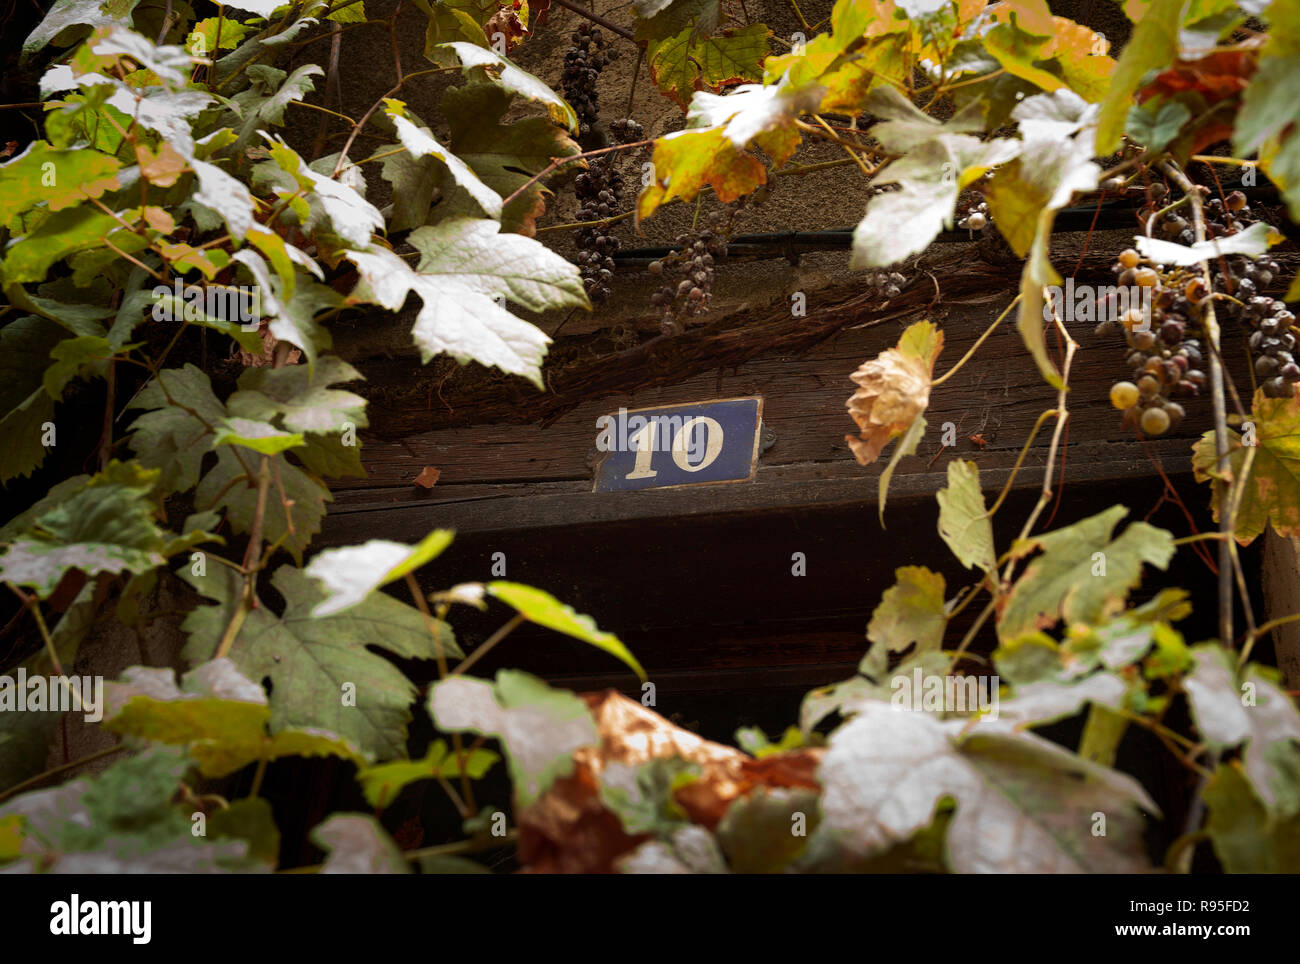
(322, 674)
(910, 611)
(663, 18)
(358, 844)
(61, 234)
(263, 102)
(684, 63)
(351, 574)
(1154, 44)
(228, 486)
(1154, 127)
(65, 14)
(106, 526)
(257, 436)
(1232, 708)
(122, 820)
(539, 727)
(173, 438)
(504, 156)
(25, 407)
(60, 178)
(419, 142)
(1024, 804)
(218, 714)
(511, 78)
(906, 446)
(964, 523)
(1252, 242)
(202, 39)
(382, 783)
(1247, 838)
(1272, 490)
(251, 821)
(353, 218)
(1083, 574)
(902, 223)
(467, 271)
(756, 832)
(540, 607)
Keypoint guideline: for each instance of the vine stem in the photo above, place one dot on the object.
(1211, 324)
(561, 161)
(488, 643)
(457, 745)
(973, 348)
(597, 19)
(1062, 417)
(32, 781)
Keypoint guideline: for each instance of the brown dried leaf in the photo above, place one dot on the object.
(568, 830)
(428, 477)
(893, 389)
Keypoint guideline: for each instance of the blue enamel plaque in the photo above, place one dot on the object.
(657, 448)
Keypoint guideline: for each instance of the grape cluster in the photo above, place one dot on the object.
(598, 189)
(977, 218)
(1272, 340)
(1164, 362)
(691, 264)
(887, 284)
(583, 62)
(626, 130)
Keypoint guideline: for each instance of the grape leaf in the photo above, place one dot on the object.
(684, 63)
(893, 390)
(1082, 575)
(357, 844)
(229, 487)
(25, 346)
(219, 715)
(349, 575)
(257, 436)
(264, 101)
(63, 233)
(513, 79)
(310, 660)
(910, 611)
(1232, 708)
(1247, 838)
(173, 438)
(465, 266)
(753, 109)
(352, 217)
(685, 162)
(902, 223)
(106, 526)
(59, 177)
(1154, 44)
(505, 156)
(1024, 805)
(382, 783)
(964, 523)
(663, 18)
(1272, 491)
(539, 727)
(1252, 242)
(64, 14)
(420, 143)
(542, 608)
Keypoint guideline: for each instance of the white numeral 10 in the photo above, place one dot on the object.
(644, 438)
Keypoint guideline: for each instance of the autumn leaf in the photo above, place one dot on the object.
(685, 162)
(1272, 491)
(893, 390)
(683, 64)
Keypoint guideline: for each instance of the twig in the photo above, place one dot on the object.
(596, 18)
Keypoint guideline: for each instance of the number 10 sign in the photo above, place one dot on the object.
(699, 442)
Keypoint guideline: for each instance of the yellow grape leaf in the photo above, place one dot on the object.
(1272, 492)
(687, 161)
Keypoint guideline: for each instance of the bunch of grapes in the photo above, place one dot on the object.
(1164, 362)
(977, 217)
(692, 265)
(583, 62)
(626, 130)
(887, 284)
(598, 188)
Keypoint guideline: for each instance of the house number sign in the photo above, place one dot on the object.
(692, 444)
